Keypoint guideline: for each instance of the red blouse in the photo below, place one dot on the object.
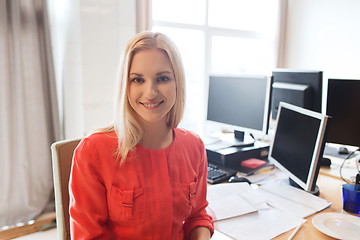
(155, 194)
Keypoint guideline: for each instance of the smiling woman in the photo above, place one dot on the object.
(153, 94)
(145, 178)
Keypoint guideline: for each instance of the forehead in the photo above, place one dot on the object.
(150, 59)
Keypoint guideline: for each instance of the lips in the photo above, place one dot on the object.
(152, 105)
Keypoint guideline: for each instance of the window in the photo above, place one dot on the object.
(218, 37)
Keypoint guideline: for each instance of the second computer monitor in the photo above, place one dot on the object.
(299, 144)
(241, 102)
(298, 87)
(343, 106)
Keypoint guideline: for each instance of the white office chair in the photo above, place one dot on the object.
(62, 154)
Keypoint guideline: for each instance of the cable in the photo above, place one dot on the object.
(342, 165)
(357, 181)
(357, 178)
(252, 135)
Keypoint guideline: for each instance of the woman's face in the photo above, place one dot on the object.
(152, 90)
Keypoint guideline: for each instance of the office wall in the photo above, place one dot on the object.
(324, 35)
(88, 37)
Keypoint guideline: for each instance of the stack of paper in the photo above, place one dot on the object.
(281, 195)
(227, 200)
(239, 210)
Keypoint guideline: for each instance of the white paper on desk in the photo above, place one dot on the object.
(281, 195)
(264, 224)
(228, 200)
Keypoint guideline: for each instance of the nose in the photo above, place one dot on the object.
(151, 90)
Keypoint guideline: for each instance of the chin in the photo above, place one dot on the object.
(154, 120)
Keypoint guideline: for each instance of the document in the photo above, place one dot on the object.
(239, 209)
(280, 194)
(260, 225)
(228, 200)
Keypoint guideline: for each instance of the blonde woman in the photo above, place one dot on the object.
(142, 177)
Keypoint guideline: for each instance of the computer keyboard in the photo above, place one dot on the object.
(217, 174)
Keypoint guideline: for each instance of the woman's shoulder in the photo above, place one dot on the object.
(188, 136)
(97, 139)
(101, 136)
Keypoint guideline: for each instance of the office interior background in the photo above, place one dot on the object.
(214, 37)
(89, 37)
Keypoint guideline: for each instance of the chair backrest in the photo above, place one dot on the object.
(62, 154)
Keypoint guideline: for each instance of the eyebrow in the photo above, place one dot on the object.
(163, 72)
(157, 74)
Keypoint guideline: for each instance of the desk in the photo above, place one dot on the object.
(331, 190)
(348, 171)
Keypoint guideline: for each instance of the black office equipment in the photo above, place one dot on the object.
(232, 157)
(240, 102)
(298, 145)
(343, 106)
(300, 88)
(236, 179)
(218, 174)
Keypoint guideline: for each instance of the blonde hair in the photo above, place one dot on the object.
(126, 123)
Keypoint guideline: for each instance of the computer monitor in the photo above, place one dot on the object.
(300, 88)
(343, 106)
(298, 145)
(240, 102)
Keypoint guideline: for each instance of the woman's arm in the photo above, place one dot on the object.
(199, 218)
(88, 208)
(200, 233)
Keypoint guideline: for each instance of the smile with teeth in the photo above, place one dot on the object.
(151, 105)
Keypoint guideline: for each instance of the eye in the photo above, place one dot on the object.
(137, 80)
(163, 79)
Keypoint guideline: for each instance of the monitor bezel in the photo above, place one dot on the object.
(299, 76)
(330, 138)
(266, 114)
(310, 183)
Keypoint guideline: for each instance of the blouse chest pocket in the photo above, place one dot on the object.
(184, 198)
(191, 189)
(127, 205)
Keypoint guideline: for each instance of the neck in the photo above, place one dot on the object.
(156, 136)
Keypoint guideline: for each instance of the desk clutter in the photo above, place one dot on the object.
(238, 209)
(288, 189)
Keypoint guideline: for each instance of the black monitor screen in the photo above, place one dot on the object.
(300, 88)
(343, 106)
(298, 144)
(239, 101)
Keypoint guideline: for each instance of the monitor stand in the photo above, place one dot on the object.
(238, 139)
(226, 140)
(315, 192)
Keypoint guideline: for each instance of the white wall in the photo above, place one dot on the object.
(88, 38)
(324, 35)
(89, 35)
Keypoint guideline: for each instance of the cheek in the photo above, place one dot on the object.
(171, 94)
(132, 92)
(132, 96)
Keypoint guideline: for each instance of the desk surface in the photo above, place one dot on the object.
(331, 190)
(330, 186)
